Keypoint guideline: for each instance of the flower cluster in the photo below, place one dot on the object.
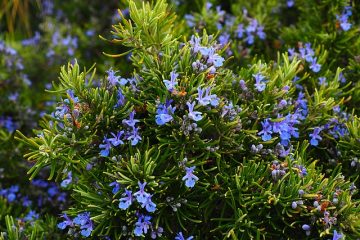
(306, 53)
(81, 222)
(343, 19)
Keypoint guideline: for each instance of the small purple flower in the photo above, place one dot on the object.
(290, 3)
(142, 225)
(266, 131)
(171, 85)
(106, 147)
(260, 84)
(322, 81)
(195, 43)
(116, 187)
(120, 99)
(180, 236)
(141, 195)
(85, 223)
(344, 18)
(148, 204)
(292, 53)
(131, 121)
(213, 100)
(293, 205)
(189, 177)
(67, 222)
(31, 216)
(315, 67)
(157, 232)
(112, 79)
(342, 78)
(260, 32)
(194, 115)
(240, 30)
(134, 137)
(213, 58)
(337, 236)
(306, 228)
(315, 136)
(116, 139)
(164, 113)
(126, 201)
(67, 180)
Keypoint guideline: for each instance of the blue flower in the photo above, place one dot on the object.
(67, 180)
(343, 19)
(141, 195)
(116, 187)
(194, 115)
(260, 32)
(195, 43)
(290, 3)
(214, 58)
(106, 147)
(213, 100)
(180, 236)
(164, 112)
(113, 80)
(306, 228)
(189, 177)
(116, 140)
(260, 84)
(31, 216)
(131, 121)
(126, 201)
(337, 236)
(148, 204)
(120, 99)
(171, 85)
(85, 223)
(67, 222)
(142, 225)
(266, 131)
(315, 136)
(322, 81)
(134, 137)
(315, 67)
(240, 30)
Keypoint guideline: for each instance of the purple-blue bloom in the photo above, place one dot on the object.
(31, 216)
(116, 187)
(134, 137)
(164, 113)
(315, 136)
(106, 146)
(85, 223)
(172, 83)
(142, 225)
(213, 100)
(266, 131)
(141, 195)
(131, 121)
(337, 236)
(116, 139)
(315, 67)
(149, 204)
(194, 115)
(67, 180)
(67, 222)
(112, 78)
(180, 236)
(189, 177)
(260, 83)
(126, 201)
